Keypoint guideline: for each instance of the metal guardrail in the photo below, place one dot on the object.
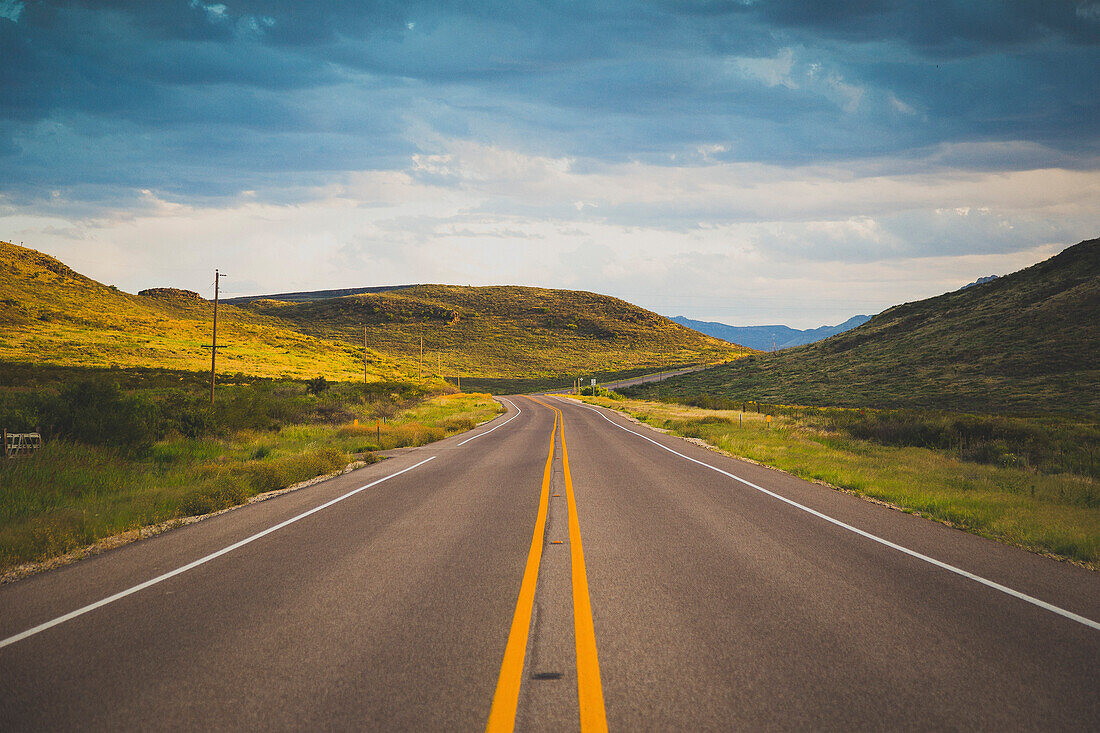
(21, 444)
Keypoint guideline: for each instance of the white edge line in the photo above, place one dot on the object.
(912, 553)
(513, 417)
(202, 560)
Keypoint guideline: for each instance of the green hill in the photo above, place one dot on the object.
(501, 331)
(50, 314)
(1028, 342)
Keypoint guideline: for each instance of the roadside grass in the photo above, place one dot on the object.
(1056, 513)
(527, 385)
(70, 495)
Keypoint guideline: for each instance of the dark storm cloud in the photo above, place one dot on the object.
(937, 28)
(207, 98)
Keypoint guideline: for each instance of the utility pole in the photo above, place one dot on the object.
(364, 354)
(214, 337)
(420, 364)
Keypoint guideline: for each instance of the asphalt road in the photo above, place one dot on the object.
(712, 604)
(633, 381)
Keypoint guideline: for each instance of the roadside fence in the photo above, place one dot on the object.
(21, 444)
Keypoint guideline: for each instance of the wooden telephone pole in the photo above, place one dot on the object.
(364, 354)
(214, 337)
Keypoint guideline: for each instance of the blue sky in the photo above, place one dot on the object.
(754, 161)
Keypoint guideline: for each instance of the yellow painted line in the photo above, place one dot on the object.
(502, 714)
(589, 687)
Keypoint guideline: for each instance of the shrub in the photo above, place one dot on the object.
(316, 386)
(96, 412)
(223, 494)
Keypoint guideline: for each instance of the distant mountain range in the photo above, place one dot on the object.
(769, 338)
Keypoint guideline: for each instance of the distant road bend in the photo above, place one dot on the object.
(560, 568)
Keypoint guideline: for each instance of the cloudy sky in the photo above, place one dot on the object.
(748, 161)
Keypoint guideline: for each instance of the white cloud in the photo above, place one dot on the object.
(11, 10)
(900, 106)
(848, 95)
(247, 27)
(747, 243)
(1089, 11)
(215, 12)
(773, 71)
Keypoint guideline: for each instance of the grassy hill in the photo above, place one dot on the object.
(1028, 342)
(502, 331)
(50, 314)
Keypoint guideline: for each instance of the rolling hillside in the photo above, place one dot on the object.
(501, 331)
(1028, 342)
(50, 314)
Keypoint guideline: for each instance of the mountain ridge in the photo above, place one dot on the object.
(769, 338)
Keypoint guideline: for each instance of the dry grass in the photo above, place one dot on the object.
(69, 495)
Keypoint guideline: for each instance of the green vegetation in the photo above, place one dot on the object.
(518, 385)
(1026, 343)
(1050, 444)
(989, 475)
(50, 314)
(533, 336)
(119, 460)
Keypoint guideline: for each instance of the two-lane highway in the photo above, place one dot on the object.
(502, 569)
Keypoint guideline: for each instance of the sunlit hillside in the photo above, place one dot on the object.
(50, 314)
(1026, 342)
(502, 331)
(53, 315)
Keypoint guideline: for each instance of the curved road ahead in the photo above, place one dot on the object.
(507, 577)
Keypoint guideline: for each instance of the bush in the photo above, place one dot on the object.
(316, 386)
(601, 392)
(96, 412)
(458, 424)
(223, 494)
(188, 415)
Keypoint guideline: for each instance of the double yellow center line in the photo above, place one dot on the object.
(502, 715)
